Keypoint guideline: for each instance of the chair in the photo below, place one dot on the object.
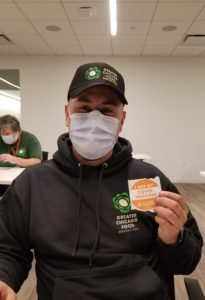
(45, 155)
(192, 286)
(193, 289)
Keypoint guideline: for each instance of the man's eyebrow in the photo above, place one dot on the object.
(114, 102)
(111, 101)
(83, 99)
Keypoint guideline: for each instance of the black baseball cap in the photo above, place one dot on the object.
(97, 73)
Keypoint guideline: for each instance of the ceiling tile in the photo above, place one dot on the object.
(95, 50)
(177, 11)
(60, 39)
(182, 1)
(90, 27)
(133, 27)
(10, 12)
(43, 11)
(21, 39)
(64, 26)
(35, 1)
(16, 27)
(127, 50)
(100, 11)
(197, 28)
(163, 39)
(188, 51)
(202, 15)
(83, 1)
(66, 50)
(93, 39)
(157, 26)
(25, 22)
(136, 11)
(126, 40)
(37, 49)
(138, 1)
(157, 51)
(12, 49)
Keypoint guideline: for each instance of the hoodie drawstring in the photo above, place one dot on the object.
(97, 236)
(77, 235)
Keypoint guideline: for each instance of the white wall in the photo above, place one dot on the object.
(165, 115)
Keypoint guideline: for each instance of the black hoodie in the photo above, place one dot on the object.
(87, 245)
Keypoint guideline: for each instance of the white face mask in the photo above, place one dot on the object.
(93, 134)
(9, 139)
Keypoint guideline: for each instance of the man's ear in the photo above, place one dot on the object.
(122, 120)
(67, 115)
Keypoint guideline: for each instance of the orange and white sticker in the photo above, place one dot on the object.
(143, 193)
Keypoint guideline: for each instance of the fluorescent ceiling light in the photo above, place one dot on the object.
(8, 82)
(113, 17)
(10, 96)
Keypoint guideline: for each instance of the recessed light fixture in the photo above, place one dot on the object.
(169, 28)
(53, 28)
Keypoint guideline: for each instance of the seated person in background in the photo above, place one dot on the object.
(17, 147)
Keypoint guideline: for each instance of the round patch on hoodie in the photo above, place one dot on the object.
(122, 202)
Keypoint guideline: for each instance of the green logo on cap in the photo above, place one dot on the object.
(92, 73)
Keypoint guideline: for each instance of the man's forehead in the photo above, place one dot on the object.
(105, 92)
(6, 129)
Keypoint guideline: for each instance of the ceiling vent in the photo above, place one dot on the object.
(4, 40)
(86, 11)
(194, 40)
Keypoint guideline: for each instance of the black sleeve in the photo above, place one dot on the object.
(183, 257)
(15, 254)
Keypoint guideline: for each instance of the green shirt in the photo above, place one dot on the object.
(29, 147)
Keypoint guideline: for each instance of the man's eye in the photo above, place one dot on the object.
(84, 109)
(106, 111)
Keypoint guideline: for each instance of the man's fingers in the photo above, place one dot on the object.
(176, 198)
(177, 220)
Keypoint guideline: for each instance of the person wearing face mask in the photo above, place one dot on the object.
(17, 147)
(74, 211)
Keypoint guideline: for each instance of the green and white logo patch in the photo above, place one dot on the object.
(21, 152)
(122, 202)
(93, 73)
(127, 221)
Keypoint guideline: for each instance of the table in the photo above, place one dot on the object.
(7, 175)
(141, 156)
(202, 173)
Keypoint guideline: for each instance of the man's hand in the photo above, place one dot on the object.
(9, 158)
(171, 216)
(6, 293)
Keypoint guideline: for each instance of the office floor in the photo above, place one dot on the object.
(195, 197)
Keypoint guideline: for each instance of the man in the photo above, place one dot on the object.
(17, 147)
(74, 210)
